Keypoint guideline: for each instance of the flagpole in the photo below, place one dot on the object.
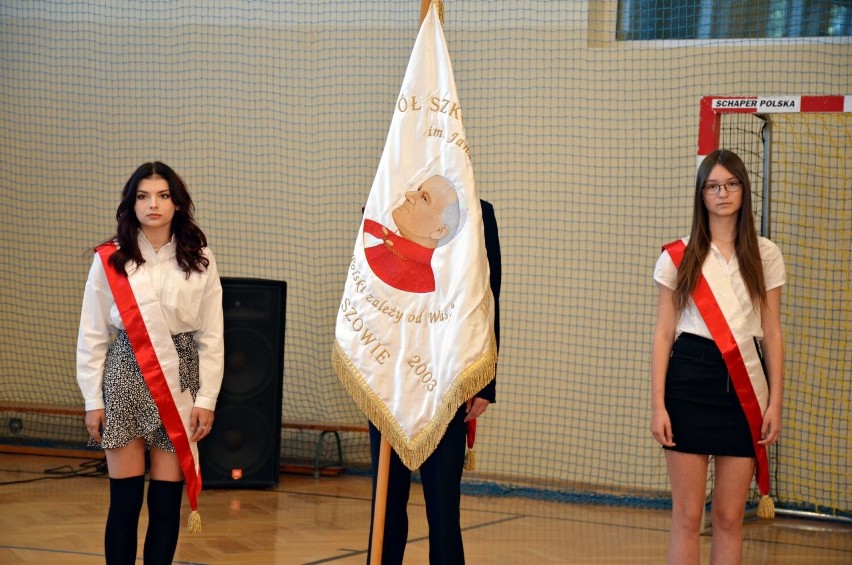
(380, 504)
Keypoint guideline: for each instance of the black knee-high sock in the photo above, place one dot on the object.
(164, 498)
(125, 503)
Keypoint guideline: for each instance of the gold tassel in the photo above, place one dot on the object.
(439, 5)
(766, 507)
(193, 525)
(469, 460)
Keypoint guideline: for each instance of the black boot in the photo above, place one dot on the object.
(164, 498)
(125, 503)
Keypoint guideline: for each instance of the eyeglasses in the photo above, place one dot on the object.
(730, 186)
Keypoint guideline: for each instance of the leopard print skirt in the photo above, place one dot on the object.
(130, 408)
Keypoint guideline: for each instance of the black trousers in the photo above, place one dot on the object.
(441, 476)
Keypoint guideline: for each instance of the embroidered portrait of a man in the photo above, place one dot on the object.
(426, 219)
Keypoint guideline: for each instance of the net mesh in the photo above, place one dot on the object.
(811, 218)
(275, 113)
(808, 213)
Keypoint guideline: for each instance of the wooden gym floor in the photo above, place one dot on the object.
(326, 520)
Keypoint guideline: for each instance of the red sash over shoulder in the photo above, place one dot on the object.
(155, 378)
(744, 366)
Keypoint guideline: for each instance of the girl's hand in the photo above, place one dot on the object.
(770, 430)
(95, 420)
(661, 428)
(200, 423)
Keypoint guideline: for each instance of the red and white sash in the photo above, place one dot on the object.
(718, 305)
(158, 360)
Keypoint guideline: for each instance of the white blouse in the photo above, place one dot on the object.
(690, 320)
(189, 305)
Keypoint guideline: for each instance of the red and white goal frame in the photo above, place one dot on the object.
(713, 107)
(710, 127)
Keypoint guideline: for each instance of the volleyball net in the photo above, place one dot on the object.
(583, 136)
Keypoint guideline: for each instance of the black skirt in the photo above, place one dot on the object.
(703, 407)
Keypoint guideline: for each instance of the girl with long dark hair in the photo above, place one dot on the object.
(150, 359)
(717, 361)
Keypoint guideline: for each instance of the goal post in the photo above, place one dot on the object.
(798, 150)
(714, 107)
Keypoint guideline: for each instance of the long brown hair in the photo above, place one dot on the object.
(189, 239)
(746, 243)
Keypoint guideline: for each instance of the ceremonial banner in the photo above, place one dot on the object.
(415, 328)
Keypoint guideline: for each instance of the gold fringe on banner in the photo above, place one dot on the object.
(439, 5)
(424, 9)
(413, 453)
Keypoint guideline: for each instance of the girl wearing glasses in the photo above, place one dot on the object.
(717, 361)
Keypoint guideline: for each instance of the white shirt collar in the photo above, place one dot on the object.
(145, 245)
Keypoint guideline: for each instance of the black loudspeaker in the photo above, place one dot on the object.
(244, 448)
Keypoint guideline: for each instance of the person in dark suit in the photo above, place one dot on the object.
(441, 473)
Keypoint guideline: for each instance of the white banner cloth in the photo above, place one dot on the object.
(414, 337)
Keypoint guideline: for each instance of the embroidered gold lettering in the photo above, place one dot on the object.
(421, 370)
(378, 351)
